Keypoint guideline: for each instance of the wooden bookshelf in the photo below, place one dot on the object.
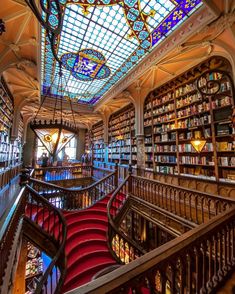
(6, 120)
(198, 103)
(98, 141)
(122, 142)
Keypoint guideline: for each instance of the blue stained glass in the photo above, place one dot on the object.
(114, 37)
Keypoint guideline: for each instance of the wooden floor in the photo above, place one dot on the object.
(8, 195)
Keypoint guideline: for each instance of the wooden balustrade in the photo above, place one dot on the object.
(70, 199)
(51, 222)
(122, 168)
(11, 225)
(192, 205)
(28, 206)
(196, 262)
(8, 174)
(63, 172)
(122, 247)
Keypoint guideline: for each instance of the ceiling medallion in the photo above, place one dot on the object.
(86, 65)
(2, 27)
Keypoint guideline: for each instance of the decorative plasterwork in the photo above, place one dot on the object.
(199, 19)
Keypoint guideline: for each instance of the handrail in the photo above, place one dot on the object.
(69, 198)
(63, 172)
(58, 234)
(115, 205)
(187, 189)
(192, 205)
(190, 263)
(8, 229)
(33, 180)
(63, 167)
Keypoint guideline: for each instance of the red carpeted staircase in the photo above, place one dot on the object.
(86, 246)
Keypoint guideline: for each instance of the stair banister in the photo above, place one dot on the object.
(129, 276)
(72, 199)
(61, 241)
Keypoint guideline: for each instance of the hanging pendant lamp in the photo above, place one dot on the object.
(55, 132)
(198, 144)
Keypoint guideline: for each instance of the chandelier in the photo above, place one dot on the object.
(56, 131)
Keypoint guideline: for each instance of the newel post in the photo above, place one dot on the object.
(24, 177)
(130, 179)
(116, 176)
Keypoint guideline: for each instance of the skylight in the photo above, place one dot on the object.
(100, 44)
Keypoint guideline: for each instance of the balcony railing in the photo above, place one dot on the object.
(196, 262)
(189, 204)
(63, 172)
(73, 199)
(26, 209)
(50, 221)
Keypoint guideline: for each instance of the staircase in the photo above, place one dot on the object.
(86, 245)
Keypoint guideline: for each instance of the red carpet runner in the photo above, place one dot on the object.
(86, 246)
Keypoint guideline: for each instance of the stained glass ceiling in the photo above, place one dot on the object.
(102, 40)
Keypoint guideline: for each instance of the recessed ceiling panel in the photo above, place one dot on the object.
(102, 40)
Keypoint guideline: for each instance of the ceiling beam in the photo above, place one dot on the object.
(166, 70)
(22, 27)
(20, 2)
(4, 53)
(15, 15)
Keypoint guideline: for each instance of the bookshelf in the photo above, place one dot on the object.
(98, 141)
(6, 120)
(33, 268)
(122, 142)
(198, 103)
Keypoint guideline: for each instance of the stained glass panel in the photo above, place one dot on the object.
(101, 41)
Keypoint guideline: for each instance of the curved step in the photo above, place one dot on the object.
(94, 214)
(90, 234)
(77, 259)
(98, 224)
(87, 246)
(85, 276)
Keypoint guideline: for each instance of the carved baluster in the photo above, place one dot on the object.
(215, 277)
(189, 273)
(179, 202)
(203, 249)
(185, 204)
(209, 208)
(196, 209)
(181, 266)
(172, 278)
(197, 270)
(175, 203)
(162, 196)
(224, 249)
(170, 200)
(202, 209)
(209, 284)
(220, 272)
(232, 225)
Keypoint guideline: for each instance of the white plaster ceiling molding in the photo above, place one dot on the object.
(19, 49)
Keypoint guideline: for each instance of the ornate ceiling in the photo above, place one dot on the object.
(20, 61)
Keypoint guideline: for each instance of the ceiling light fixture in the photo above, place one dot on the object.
(56, 132)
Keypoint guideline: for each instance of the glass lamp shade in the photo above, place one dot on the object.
(53, 136)
(198, 144)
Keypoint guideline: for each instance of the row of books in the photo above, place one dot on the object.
(204, 160)
(188, 100)
(227, 161)
(185, 89)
